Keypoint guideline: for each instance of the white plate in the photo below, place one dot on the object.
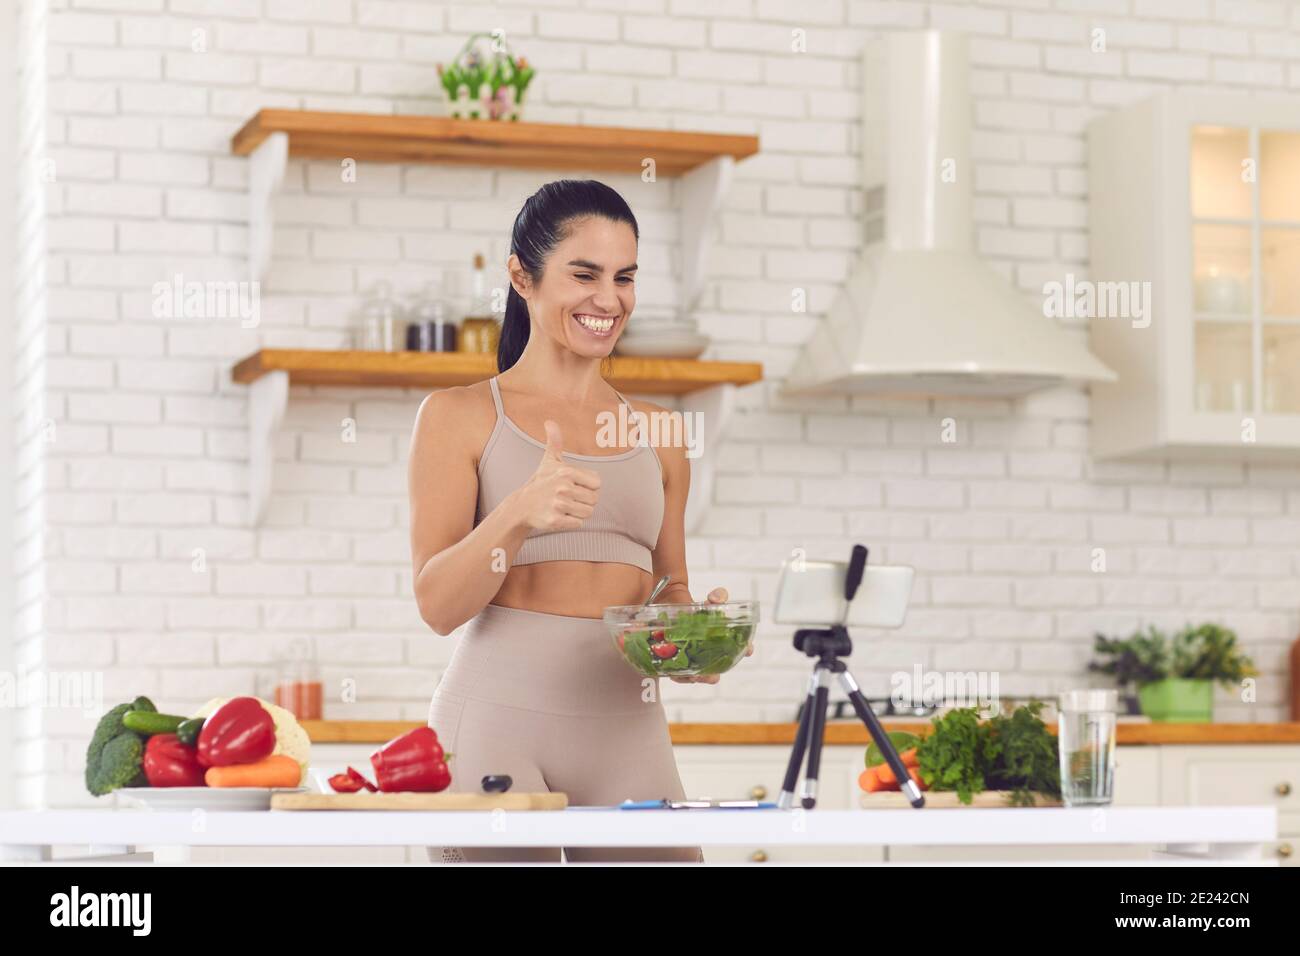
(663, 345)
(203, 798)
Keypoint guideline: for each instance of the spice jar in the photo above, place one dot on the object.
(298, 686)
(379, 319)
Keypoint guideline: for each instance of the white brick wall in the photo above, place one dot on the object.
(32, 405)
(148, 464)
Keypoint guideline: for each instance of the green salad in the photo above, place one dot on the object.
(693, 642)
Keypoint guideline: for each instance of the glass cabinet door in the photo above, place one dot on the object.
(1222, 269)
(1245, 204)
(1279, 207)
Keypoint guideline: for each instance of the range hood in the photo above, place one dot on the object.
(921, 313)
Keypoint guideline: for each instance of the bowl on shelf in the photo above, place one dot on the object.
(662, 334)
(675, 342)
(682, 640)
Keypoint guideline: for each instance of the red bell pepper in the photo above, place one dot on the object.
(170, 763)
(412, 762)
(239, 731)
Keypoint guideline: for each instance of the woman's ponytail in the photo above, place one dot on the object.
(515, 327)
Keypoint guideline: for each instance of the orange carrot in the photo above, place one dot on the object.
(869, 781)
(279, 770)
(916, 775)
(910, 759)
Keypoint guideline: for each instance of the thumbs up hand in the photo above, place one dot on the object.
(558, 496)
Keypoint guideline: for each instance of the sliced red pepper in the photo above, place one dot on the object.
(412, 762)
(344, 783)
(239, 731)
(169, 763)
(361, 781)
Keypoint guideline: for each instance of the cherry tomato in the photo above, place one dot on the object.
(657, 635)
(664, 650)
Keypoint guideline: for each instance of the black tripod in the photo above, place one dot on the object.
(827, 646)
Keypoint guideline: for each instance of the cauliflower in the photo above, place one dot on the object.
(290, 738)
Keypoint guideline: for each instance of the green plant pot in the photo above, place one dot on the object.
(1178, 701)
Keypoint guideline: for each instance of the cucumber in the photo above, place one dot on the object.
(188, 731)
(146, 722)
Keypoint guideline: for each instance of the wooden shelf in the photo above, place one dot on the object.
(703, 161)
(652, 376)
(377, 137)
(703, 392)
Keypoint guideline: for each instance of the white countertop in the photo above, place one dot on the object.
(1225, 827)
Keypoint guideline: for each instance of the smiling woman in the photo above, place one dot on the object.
(527, 522)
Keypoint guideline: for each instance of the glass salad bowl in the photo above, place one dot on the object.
(672, 640)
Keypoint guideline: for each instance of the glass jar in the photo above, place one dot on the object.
(379, 320)
(479, 335)
(480, 329)
(431, 328)
(298, 687)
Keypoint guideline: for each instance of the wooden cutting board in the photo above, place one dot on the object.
(419, 801)
(947, 800)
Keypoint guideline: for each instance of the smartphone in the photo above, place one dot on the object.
(812, 593)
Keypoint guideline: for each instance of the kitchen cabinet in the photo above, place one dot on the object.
(1221, 776)
(747, 772)
(1194, 211)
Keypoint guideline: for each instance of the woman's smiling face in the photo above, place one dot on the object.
(588, 289)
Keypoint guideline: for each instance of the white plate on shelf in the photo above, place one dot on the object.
(203, 798)
(665, 344)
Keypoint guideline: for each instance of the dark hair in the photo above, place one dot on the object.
(541, 224)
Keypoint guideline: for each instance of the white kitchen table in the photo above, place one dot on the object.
(1181, 835)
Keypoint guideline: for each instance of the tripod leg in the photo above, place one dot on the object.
(800, 744)
(868, 716)
(815, 734)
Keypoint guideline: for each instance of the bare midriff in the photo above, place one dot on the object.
(573, 588)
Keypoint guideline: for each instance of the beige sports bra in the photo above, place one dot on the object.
(629, 511)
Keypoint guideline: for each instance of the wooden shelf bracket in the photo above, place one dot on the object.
(266, 166)
(268, 396)
(702, 191)
(712, 408)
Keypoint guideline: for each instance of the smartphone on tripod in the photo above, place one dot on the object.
(835, 594)
(812, 593)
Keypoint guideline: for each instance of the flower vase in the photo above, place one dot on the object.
(509, 107)
(1179, 701)
(460, 106)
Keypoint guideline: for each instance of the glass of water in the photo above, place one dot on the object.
(1086, 721)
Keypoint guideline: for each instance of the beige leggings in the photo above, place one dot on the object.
(548, 700)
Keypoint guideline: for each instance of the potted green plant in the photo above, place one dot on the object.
(1175, 678)
(488, 86)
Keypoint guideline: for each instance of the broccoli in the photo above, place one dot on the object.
(114, 756)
